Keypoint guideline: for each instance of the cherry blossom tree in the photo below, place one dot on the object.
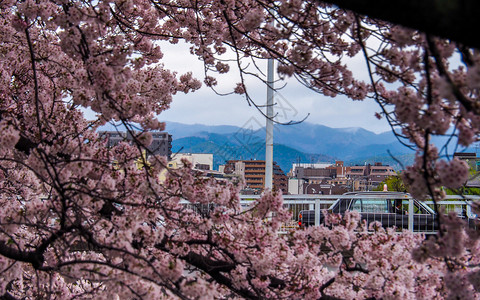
(81, 220)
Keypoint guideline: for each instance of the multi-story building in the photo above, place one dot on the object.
(474, 163)
(324, 178)
(357, 171)
(253, 172)
(161, 144)
(293, 171)
(337, 178)
(378, 173)
(470, 158)
(313, 175)
(369, 176)
(339, 170)
(317, 173)
(199, 161)
(325, 189)
(280, 180)
(161, 141)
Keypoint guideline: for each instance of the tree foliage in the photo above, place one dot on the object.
(394, 184)
(80, 220)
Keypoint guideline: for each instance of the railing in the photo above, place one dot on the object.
(415, 216)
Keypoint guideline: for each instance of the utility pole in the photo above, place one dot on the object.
(269, 128)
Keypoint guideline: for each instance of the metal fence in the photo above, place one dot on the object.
(408, 214)
(391, 210)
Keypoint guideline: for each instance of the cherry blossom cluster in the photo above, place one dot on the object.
(425, 86)
(82, 220)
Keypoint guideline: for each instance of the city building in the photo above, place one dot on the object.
(313, 175)
(474, 163)
(295, 186)
(378, 173)
(199, 161)
(330, 179)
(253, 172)
(161, 141)
(322, 165)
(367, 177)
(322, 178)
(339, 170)
(470, 158)
(316, 173)
(161, 144)
(325, 189)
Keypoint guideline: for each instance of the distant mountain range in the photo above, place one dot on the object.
(304, 142)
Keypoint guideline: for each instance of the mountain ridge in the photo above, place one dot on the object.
(304, 142)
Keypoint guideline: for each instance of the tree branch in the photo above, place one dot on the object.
(32, 257)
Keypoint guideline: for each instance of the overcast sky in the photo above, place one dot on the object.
(294, 102)
(204, 107)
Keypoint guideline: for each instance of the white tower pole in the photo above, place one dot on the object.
(269, 128)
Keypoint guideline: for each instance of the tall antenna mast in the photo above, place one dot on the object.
(269, 128)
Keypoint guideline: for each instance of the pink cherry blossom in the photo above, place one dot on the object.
(83, 220)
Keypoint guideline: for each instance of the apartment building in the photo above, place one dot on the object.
(161, 141)
(470, 158)
(324, 178)
(315, 173)
(253, 172)
(473, 162)
(337, 178)
(338, 169)
(293, 170)
(199, 161)
(378, 173)
(367, 177)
